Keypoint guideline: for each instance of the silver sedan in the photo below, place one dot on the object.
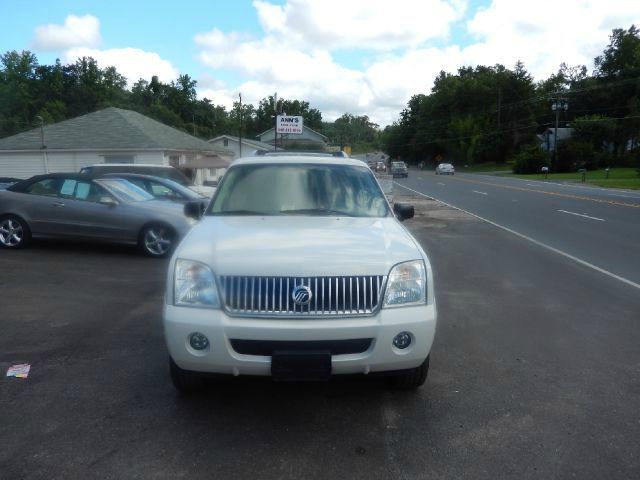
(77, 206)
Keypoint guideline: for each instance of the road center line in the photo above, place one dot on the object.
(481, 193)
(440, 183)
(582, 215)
(532, 240)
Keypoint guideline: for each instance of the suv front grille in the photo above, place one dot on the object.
(330, 296)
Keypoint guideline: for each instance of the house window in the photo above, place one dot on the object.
(119, 158)
(174, 161)
(226, 142)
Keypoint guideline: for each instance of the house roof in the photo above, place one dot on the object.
(108, 129)
(247, 141)
(304, 127)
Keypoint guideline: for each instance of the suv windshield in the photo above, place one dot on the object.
(299, 189)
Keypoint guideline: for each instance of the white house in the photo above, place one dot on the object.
(547, 138)
(231, 145)
(112, 135)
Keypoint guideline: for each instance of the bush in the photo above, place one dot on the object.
(530, 159)
(573, 154)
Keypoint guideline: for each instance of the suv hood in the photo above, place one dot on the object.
(299, 246)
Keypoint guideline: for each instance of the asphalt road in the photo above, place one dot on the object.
(598, 226)
(535, 373)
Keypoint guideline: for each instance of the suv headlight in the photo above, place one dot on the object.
(194, 285)
(406, 285)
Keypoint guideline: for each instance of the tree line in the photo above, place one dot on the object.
(494, 114)
(31, 93)
(478, 114)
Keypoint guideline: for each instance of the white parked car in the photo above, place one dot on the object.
(299, 269)
(445, 169)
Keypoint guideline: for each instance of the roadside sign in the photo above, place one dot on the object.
(289, 124)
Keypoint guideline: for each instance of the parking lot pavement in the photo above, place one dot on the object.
(535, 374)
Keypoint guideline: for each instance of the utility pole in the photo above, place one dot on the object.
(499, 106)
(275, 121)
(240, 115)
(560, 104)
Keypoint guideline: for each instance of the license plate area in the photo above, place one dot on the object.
(297, 366)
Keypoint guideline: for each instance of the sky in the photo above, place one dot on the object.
(364, 57)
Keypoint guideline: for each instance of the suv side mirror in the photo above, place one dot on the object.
(403, 211)
(193, 210)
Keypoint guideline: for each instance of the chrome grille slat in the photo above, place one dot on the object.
(331, 296)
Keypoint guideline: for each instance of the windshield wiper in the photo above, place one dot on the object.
(317, 211)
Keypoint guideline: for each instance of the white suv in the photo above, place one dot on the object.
(299, 269)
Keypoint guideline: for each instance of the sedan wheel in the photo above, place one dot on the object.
(14, 233)
(157, 240)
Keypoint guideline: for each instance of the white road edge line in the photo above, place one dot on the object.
(481, 193)
(582, 215)
(625, 196)
(532, 240)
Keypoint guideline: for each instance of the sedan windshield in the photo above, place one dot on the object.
(125, 190)
(304, 189)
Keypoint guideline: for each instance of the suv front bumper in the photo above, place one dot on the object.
(220, 329)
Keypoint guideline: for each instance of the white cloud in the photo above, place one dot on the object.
(294, 58)
(545, 33)
(133, 63)
(368, 24)
(76, 31)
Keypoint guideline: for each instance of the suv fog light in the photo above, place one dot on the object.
(198, 341)
(402, 340)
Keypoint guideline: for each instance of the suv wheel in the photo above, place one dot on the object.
(14, 232)
(157, 240)
(410, 379)
(183, 380)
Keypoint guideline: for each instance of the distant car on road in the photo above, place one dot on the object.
(162, 171)
(445, 169)
(381, 167)
(399, 169)
(71, 205)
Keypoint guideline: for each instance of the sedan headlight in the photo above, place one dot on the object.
(194, 285)
(406, 285)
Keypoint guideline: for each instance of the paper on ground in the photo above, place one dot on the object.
(19, 371)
